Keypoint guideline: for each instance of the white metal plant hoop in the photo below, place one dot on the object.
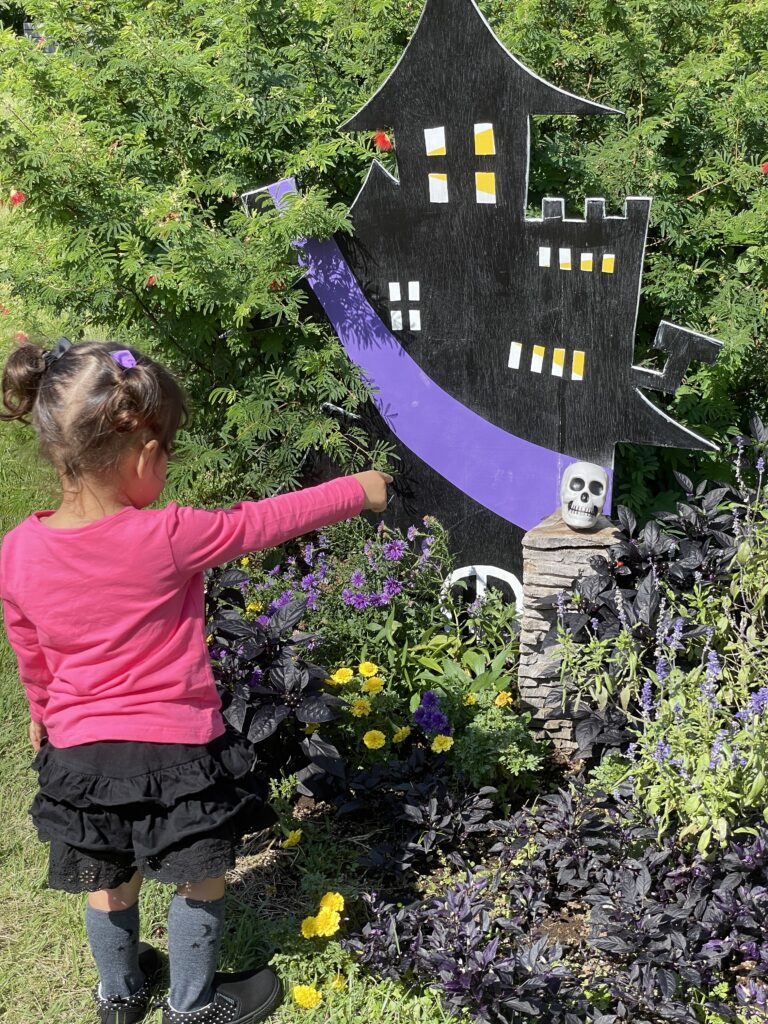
(482, 574)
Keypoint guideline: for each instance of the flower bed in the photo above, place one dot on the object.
(637, 893)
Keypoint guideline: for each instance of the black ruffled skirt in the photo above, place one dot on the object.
(173, 811)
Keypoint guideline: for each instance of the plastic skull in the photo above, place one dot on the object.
(582, 494)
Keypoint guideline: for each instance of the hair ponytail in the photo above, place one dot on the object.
(22, 377)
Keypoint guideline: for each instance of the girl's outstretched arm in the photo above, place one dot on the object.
(201, 539)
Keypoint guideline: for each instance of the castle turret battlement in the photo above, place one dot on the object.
(636, 210)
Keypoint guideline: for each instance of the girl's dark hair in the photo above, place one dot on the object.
(87, 409)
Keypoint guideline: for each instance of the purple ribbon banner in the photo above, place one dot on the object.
(514, 478)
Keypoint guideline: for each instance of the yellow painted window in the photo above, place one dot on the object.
(485, 143)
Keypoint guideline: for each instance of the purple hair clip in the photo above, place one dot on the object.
(124, 358)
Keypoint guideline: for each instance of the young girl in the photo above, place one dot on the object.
(103, 603)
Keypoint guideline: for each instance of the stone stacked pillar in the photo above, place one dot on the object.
(554, 555)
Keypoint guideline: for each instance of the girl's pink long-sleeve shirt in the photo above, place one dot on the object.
(107, 619)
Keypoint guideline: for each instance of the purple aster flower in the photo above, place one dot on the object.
(263, 620)
(322, 540)
(378, 600)
(360, 601)
(274, 572)
(322, 572)
(411, 534)
(357, 579)
(392, 587)
(282, 599)
(394, 550)
(308, 581)
(430, 699)
(347, 595)
(292, 560)
(312, 598)
(309, 553)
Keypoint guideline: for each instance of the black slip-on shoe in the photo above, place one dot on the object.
(131, 1009)
(237, 999)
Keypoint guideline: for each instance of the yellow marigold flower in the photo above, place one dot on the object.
(332, 901)
(327, 922)
(401, 734)
(470, 699)
(254, 606)
(209, 638)
(442, 743)
(374, 739)
(360, 708)
(311, 727)
(367, 669)
(292, 839)
(338, 983)
(503, 698)
(245, 562)
(342, 675)
(373, 685)
(309, 927)
(307, 997)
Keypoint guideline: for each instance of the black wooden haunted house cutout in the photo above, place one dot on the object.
(501, 346)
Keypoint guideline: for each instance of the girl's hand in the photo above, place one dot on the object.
(37, 733)
(375, 486)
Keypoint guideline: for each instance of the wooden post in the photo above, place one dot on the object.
(554, 556)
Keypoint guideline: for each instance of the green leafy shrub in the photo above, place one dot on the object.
(131, 144)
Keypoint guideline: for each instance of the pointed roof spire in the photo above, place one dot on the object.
(454, 48)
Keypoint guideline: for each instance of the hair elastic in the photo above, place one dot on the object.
(62, 345)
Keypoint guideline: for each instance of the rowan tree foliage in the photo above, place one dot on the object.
(133, 141)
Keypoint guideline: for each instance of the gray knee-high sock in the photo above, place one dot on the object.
(195, 928)
(114, 939)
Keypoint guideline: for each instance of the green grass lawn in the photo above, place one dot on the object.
(47, 971)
